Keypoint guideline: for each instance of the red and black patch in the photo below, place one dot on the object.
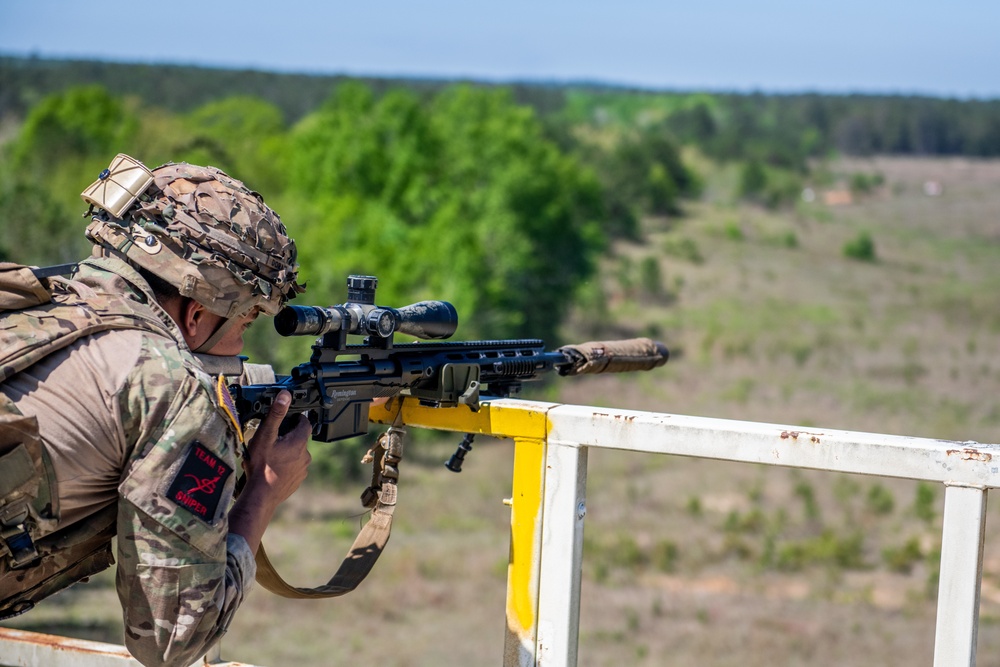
(199, 484)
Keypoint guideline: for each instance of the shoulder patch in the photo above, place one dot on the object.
(198, 485)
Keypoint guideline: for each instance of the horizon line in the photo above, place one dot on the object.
(522, 80)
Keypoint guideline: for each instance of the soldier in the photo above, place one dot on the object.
(133, 437)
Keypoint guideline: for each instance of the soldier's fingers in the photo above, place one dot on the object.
(299, 433)
(279, 408)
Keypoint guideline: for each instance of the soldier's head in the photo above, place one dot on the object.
(200, 232)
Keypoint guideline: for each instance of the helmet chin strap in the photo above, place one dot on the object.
(216, 336)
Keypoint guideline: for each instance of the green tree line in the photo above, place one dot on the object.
(461, 195)
(779, 129)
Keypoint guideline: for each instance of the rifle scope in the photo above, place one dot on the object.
(426, 319)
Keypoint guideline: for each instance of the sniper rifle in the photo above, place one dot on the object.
(337, 385)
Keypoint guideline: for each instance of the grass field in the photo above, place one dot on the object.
(774, 316)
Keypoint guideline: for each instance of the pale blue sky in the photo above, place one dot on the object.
(874, 46)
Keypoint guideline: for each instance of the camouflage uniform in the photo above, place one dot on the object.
(135, 436)
(181, 576)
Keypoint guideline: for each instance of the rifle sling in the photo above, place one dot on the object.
(370, 542)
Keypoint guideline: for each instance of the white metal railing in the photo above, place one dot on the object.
(549, 501)
(548, 507)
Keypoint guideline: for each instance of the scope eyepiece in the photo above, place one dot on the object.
(308, 320)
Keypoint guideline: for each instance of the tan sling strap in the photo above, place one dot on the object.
(380, 497)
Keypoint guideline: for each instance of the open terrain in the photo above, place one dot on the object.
(687, 561)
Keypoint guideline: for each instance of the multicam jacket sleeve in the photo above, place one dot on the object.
(180, 576)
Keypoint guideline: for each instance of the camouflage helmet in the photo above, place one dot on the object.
(198, 229)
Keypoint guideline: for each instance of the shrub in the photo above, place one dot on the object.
(733, 231)
(880, 500)
(804, 490)
(665, 554)
(826, 549)
(862, 183)
(753, 521)
(923, 505)
(683, 248)
(650, 277)
(623, 273)
(861, 248)
(753, 179)
(901, 559)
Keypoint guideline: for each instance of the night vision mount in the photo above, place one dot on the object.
(118, 186)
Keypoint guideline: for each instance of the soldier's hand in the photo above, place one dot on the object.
(279, 462)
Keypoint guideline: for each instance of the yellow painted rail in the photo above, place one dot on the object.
(526, 423)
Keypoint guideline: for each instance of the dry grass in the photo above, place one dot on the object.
(719, 564)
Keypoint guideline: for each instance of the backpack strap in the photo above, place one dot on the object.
(22, 479)
(29, 507)
(21, 287)
(71, 310)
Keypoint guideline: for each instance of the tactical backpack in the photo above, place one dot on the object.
(36, 560)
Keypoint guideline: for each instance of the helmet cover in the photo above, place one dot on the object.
(208, 235)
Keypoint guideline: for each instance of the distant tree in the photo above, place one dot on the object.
(642, 174)
(463, 199)
(693, 124)
(661, 191)
(531, 213)
(65, 141)
(753, 180)
(37, 227)
(651, 276)
(242, 135)
(777, 129)
(82, 122)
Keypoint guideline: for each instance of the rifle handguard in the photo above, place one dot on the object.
(614, 356)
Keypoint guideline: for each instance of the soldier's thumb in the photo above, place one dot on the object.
(272, 422)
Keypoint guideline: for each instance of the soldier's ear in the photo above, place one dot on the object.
(191, 317)
(195, 321)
